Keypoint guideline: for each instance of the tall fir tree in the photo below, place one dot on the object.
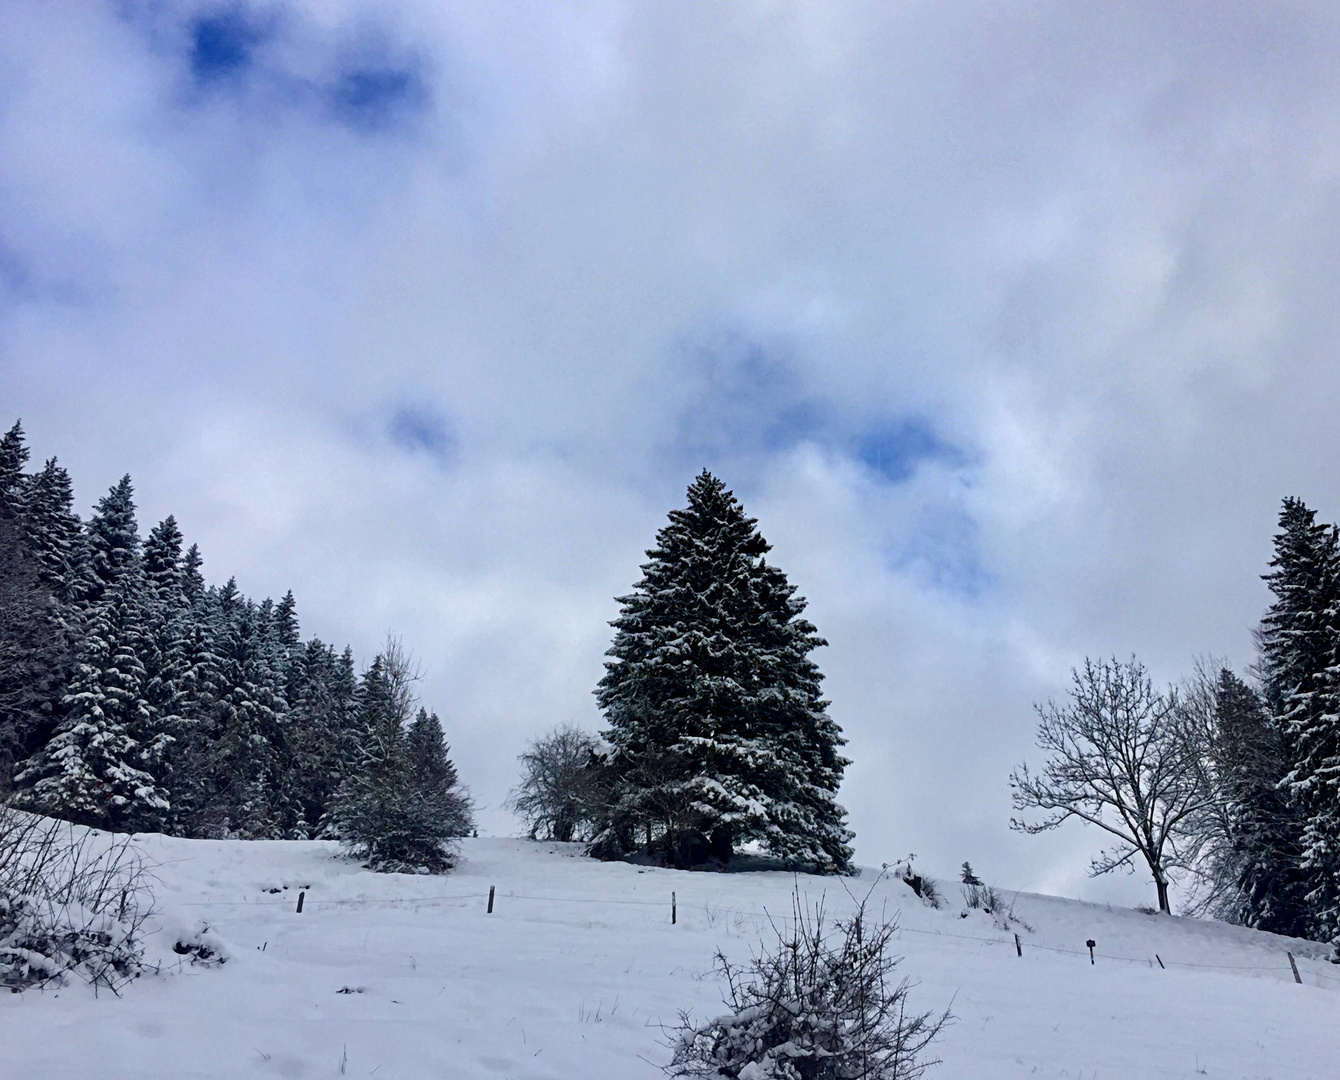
(96, 768)
(1260, 861)
(192, 580)
(247, 726)
(1298, 642)
(719, 733)
(38, 631)
(55, 533)
(400, 809)
(113, 542)
(33, 648)
(13, 457)
(162, 563)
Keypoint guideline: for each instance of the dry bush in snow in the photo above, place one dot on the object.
(821, 1003)
(72, 902)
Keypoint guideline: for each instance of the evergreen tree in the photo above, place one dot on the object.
(433, 776)
(32, 648)
(1259, 857)
(13, 457)
(192, 761)
(95, 769)
(1299, 665)
(247, 728)
(400, 809)
(163, 563)
(192, 581)
(113, 542)
(55, 534)
(38, 556)
(286, 623)
(718, 730)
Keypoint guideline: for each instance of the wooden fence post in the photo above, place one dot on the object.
(1017, 947)
(490, 910)
(673, 913)
(301, 894)
(1296, 977)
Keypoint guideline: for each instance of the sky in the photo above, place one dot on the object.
(1012, 324)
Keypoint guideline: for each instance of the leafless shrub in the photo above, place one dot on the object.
(559, 793)
(819, 1004)
(72, 901)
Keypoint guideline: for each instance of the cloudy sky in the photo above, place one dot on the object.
(1011, 323)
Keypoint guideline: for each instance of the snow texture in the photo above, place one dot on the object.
(579, 965)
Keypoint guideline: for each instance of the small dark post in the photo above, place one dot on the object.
(673, 914)
(490, 911)
(1017, 947)
(1296, 977)
(1090, 943)
(301, 894)
(1160, 960)
(122, 913)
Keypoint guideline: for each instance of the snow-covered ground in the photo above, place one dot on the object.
(578, 967)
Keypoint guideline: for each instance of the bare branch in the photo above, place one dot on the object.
(1123, 758)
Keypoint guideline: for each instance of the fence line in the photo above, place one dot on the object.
(747, 913)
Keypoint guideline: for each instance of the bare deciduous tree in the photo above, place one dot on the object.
(558, 792)
(1120, 757)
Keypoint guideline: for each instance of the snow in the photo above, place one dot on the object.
(578, 968)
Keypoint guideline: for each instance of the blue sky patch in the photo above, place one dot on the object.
(893, 450)
(943, 552)
(422, 430)
(752, 402)
(223, 44)
(375, 98)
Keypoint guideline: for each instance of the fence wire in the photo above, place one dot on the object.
(770, 917)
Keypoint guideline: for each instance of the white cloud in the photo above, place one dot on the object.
(1092, 251)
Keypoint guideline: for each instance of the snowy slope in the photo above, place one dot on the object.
(579, 965)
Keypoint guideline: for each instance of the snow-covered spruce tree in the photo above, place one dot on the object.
(31, 647)
(96, 770)
(401, 809)
(1300, 675)
(821, 1003)
(55, 533)
(247, 727)
(113, 542)
(1246, 870)
(14, 455)
(718, 731)
(433, 776)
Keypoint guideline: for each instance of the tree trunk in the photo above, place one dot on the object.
(1162, 887)
(721, 845)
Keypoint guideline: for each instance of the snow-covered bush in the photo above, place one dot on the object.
(819, 1004)
(72, 901)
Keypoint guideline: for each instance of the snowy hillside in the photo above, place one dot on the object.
(578, 966)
